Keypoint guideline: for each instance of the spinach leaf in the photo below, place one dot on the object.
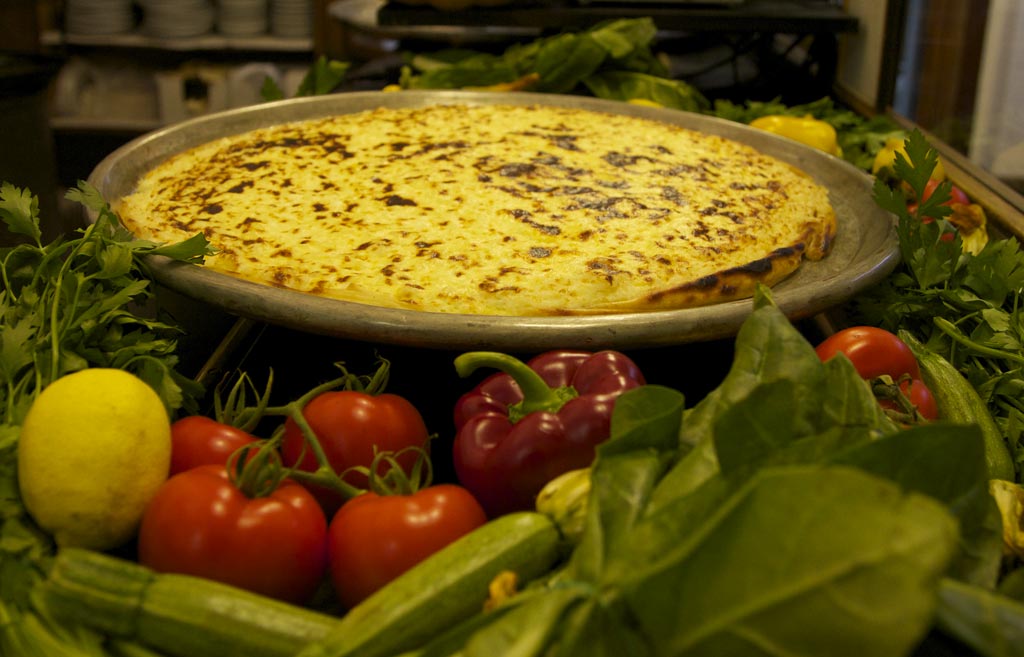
(612, 59)
(768, 348)
(621, 39)
(627, 85)
(565, 60)
(527, 629)
(986, 621)
(481, 70)
(802, 560)
(643, 439)
(919, 460)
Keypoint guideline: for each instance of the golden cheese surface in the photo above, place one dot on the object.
(492, 209)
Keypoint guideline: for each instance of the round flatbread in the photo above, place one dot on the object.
(490, 209)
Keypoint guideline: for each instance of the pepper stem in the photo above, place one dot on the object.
(537, 394)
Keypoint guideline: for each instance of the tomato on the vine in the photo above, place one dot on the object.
(873, 351)
(920, 395)
(375, 538)
(201, 523)
(198, 440)
(351, 427)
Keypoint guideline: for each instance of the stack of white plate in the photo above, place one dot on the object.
(98, 16)
(242, 17)
(291, 18)
(170, 19)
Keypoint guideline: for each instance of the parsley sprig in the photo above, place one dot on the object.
(967, 307)
(76, 303)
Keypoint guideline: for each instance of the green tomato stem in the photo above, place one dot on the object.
(537, 394)
(259, 475)
(326, 477)
(394, 480)
(324, 474)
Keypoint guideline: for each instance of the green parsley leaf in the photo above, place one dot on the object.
(19, 209)
(192, 250)
(917, 166)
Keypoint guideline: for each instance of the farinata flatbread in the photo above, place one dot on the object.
(490, 209)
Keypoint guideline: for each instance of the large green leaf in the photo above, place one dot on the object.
(988, 622)
(643, 439)
(628, 85)
(801, 560)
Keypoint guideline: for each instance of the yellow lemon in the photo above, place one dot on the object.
(94, 448)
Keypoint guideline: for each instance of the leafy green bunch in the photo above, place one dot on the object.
(77, 303)
(65, 306)
(966, 307)
(613, 60)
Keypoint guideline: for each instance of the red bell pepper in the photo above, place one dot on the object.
(522, 427)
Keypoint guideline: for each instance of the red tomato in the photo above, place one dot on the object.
(198, 440)
(956, 195)
(373, 538)
(349, 425)
(873, 351)
(920, 395)
(199, 523)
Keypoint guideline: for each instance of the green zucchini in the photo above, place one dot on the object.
(446, 588)
(564, 500)
(959, 402)
(178, 615)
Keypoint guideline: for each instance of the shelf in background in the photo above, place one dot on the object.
(206, 42)
(779, 16)
(101, 124)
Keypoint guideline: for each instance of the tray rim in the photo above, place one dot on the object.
(351, 320)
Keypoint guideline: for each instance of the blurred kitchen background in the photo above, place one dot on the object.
(78, 78)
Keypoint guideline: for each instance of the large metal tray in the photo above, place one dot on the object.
(865, 249)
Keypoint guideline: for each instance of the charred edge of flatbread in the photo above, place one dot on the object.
(819, 242)
(729, 285)
(823, 231)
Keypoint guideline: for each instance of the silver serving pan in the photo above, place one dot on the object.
(865, 249)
